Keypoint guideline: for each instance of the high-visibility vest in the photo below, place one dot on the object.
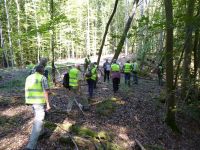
(73, 77)
(94, 73)
(127, 68)
(34, 93)
(115, 67)
(135, 66)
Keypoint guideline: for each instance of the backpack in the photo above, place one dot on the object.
(88, 74)
(66, 81)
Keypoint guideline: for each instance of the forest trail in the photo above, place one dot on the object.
(138, 115)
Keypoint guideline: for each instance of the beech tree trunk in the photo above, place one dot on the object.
(106, 31)
(88, 28)
(188, 49)
(170, 100)
(38, 34)
(52, 42)
(11, 59)
(19, 32)
(128, 24)
(196, 40)
(4, 53)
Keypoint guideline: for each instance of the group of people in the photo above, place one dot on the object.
(37, 88)
(114, 70)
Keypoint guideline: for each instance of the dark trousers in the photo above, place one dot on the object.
(95, 83)
(135, 77)
(106, 75)
(116, 82)
(90, 87)
(160, 82)
(127, 78)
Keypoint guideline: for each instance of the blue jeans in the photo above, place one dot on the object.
(127, 77)
(135, 77)
(39, 114)
(90, 87)
(74, 92)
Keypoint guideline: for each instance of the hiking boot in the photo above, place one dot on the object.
(86, 108)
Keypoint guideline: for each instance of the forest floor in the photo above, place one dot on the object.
(138, 116)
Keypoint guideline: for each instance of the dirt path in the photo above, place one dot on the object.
(140, 116)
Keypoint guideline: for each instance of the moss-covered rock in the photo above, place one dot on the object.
(106, 108)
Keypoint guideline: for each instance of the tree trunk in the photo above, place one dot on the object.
(88, 28)
(4, 56)
(188, 48)
(126, 18)
(52, 42)
(170, 116)
(196, 40)
(19, 32)
(38, 35)
(106, 31)
(9, 36)
(128, 24)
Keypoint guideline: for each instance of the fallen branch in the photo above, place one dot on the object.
(139, 144)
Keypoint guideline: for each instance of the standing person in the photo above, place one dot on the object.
(127, 68)
(135, 72)
(87, 62)
(91, 76)
(160, 74)
(36, 94)
(43, 62)
(95, 82)
(115, 73)
(74, 84)
(107, 68)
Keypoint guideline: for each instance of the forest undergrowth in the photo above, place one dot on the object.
(114, 121)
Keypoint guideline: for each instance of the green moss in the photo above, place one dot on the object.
(106, 108)
(51, 126)
(66, 141)
(113, 146)
(82, 131)
(153, 147)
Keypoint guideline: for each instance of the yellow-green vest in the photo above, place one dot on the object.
(127, 68)
(135, 66)
(73, 77)
(94, 73)
(34, 93)
(115, 67)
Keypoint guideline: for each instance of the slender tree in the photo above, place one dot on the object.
(188, 48)
(9, 35)
(52, 41)
(106, 31)
(128, 24)
(19, 32)
(170, 116)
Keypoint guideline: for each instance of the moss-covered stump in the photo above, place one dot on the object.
(82, 131)
(76, 135)
(84, 143)
(107, 107)
(66, 140)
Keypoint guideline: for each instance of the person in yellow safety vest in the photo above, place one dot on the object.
(36, 94)
(91, 79)
(127, 69)
(43, 62)
(115, 74)
(135, 72)
(87, 62)
(95, 82)
(74, 83)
